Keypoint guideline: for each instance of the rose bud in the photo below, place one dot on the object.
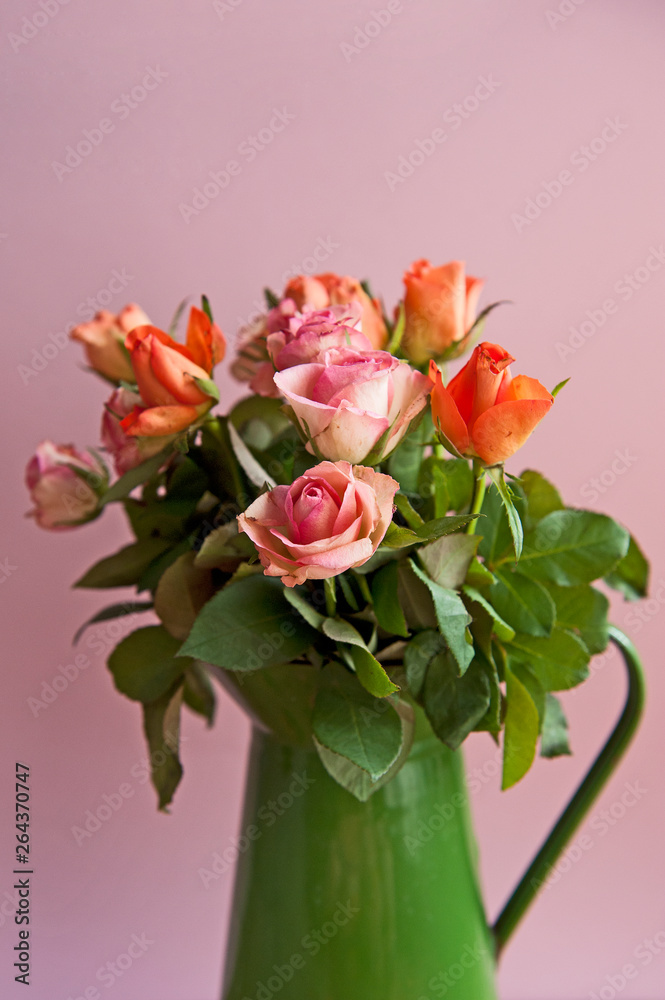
(127, 452)
(329, 520)
(354, 406)
(440, 305)
(324, 290)
(171, 378)
(484, 412)
(104, 341)
(64, 485)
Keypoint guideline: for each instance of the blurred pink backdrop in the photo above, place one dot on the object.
(545, 87)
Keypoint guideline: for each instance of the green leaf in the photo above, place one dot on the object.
(398, 331)
(405, 461)
(447, 560)
(144, 664)
(495, 472)
(385, 598)
(398, 538)
(583, 610)
(224, 548)
(113, 611)
(411, 516)
(205, 307)
(370, 673)
(521, 731)
(491, 720)
(523, 603)
(452, 618)
(418, 655)
(459, 482)
(533, 686)
(182, 591)
(272, 300)
(554, 737)
(207, 386)
(150, 578)
(415, 598)
(570, 547)
(356, 780)
(453, 704)
(559, 662)
(494, 529)
(198, 692)
(542, 497)
(501, 629)
(356, 726)
(478, 575)
(146, 470)
(559, 386)
(248, 625)
(297, 599)
(631, 574)
(161, 724)
(126, 567)
(255, 472)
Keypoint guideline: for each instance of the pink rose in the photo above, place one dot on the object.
(309, 334)
(104, 341)
(330, 289)
(127, 452)
(329, 520)
(64, 485)
(350, 404)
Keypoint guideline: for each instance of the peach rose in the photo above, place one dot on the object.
(127, 452)
(64, 485)
(329, 520)
(352, 404)
(171, 376)
(322, 290)
(104, 341)
(440, 306)
(483, 411)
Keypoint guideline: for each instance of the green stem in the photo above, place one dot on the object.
(331, 597)
(600, 771)
(479, 486)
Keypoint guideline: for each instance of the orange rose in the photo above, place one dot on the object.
(484, 412)
(169, 376)
(440, 304)
(104, 341)
(323, 290)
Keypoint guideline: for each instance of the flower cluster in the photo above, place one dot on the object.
(319, 522)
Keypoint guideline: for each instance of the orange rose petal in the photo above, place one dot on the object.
(139, 334)
(159, 421)
(501, 430)
(173, 373)
(523, 387)
(445, 412)
(205, 340)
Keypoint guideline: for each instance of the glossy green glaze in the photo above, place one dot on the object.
(337, 899)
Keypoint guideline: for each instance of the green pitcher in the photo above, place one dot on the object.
(337, 899)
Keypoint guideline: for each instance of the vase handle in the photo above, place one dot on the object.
(586, 794)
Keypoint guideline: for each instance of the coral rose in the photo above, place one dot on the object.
(104, 341)
(127, 452)
(64, 485)
(329, 520)
(484, 412)
(440, 306)
(351, 405)
(172, 377)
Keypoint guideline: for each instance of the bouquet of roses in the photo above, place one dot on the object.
(340, 548)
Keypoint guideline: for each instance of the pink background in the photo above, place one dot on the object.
(225, 68)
